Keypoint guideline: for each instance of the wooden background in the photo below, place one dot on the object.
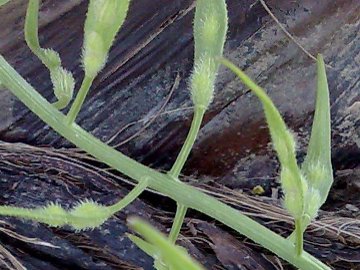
(154, 46)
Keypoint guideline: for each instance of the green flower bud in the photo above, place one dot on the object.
(88, 215)
(317, 164)
(94, 56)
(50, 58)
(64, 85)
(202, 83)
(284, 143)
(54, 215)
(289, 183)
(210, 26)
(293, 196)
(62, 80)
(103, 21)
(316, 174)
(313, 203)
(293, 203)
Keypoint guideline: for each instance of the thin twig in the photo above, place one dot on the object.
(152, 119)
(285, 31)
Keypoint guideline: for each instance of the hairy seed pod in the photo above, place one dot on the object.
(293, 197)
(64, 85)
(202, 82)
(94, 56)
(316, 174)
(88, 215)
(313, 203)
(103, 21)
(53, 215)
(210, 27)
(51, 58)
(292, 203)
(317, 164)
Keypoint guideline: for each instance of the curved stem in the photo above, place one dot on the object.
(130, 197)
(179, 192)
(177, 223)
(299, 237)
(189, 143)
(178, 166)
(60, 104)
(79, 100)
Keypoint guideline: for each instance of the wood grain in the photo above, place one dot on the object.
(155, 45)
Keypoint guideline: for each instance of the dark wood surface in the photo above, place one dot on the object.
(154, 46)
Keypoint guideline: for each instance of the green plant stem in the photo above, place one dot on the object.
(60, 104)
(79, 100)
(189, 143)
(3, 2)
(180, 192)
(177, 223)
(178, 166)
(130, 197)
(299, 236)
(305, 221)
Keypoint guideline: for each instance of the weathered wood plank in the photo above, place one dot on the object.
(153, 47)
(156, 44)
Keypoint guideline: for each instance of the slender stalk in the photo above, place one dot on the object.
(60, 104)
(180, 192)
(299, 237)
(79, 100)
(177, 223)
(189, 143)
(130, 197)
(178, 166)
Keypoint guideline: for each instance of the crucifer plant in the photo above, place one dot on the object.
(305, 187)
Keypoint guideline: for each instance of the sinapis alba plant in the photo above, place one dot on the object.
(305, 187)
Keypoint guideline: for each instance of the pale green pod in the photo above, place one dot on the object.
(283, 142)
(313, 203)
(94, 56)
(317, 174)
(64, 85)
(53, 215)
(293, 199)
(291, 204)
(210, 27)
(88, 215)
(317, 164)
(50, 58)
(202, 83)
(103, 21)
